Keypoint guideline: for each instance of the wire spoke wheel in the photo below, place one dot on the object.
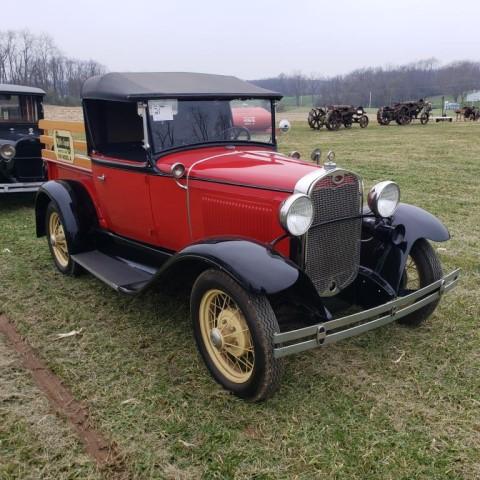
(411, 279)
(421, 269)
(226, 336)
(57, 239)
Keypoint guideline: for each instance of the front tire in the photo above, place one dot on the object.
(234, 333)
(423, 268)
(58, 242)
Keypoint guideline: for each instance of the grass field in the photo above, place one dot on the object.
(392, 404)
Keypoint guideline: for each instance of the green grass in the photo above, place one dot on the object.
(392, 404)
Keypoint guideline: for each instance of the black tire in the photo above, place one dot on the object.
(429, 270)
(333, 121)
(363, 121)
(424, 118)
(67, 267)
(262, 324)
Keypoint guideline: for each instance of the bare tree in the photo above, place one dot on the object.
(35, 60)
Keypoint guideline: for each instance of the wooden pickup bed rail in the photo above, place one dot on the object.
(65, 143)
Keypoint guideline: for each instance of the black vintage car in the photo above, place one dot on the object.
(21, 165)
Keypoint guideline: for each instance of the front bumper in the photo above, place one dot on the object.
(296, 341)
(20, 187)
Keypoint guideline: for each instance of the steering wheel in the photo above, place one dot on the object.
(235, 132)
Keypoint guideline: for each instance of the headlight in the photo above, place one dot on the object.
(7, 151)
(296, 214)
(383, 198)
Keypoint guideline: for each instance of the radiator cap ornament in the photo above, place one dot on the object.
(330, 164)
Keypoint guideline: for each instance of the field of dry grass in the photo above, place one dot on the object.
(392, 404)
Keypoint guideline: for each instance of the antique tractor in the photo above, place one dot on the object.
(468, 113)
(334, 116)
(405, 112)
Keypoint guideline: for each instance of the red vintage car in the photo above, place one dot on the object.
(161, 183)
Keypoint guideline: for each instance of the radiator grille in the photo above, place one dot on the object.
(332, 250)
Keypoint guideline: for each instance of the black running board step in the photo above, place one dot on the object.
(119, 274)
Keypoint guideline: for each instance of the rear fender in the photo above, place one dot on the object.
(76, 211)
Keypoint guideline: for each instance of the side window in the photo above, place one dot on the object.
(115, 129)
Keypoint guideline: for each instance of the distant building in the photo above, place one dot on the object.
(452, 106)
(473, 96)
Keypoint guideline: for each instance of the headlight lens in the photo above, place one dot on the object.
(383, 198)
(7, 151)
(296, 214)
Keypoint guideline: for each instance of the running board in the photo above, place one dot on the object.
(120, 274)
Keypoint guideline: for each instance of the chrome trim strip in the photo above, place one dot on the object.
(394, 310)
(20, 187)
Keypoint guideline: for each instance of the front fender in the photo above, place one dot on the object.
(419, 223)
(255, 266)
(388, 259)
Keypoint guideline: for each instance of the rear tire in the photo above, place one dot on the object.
(234, 334)
(58, 242)
(423, 267)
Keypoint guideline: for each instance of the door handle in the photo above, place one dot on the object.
(101, 178)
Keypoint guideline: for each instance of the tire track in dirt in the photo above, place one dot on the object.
(103, 452)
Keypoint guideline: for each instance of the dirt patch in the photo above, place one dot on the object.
(103, 452)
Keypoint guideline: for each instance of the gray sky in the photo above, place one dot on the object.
(253, 38)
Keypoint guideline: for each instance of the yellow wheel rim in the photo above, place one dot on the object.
(412, 275)
(58, 240)
(226, 336)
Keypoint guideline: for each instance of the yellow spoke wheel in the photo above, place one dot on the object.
(226, 336)
(57, 239)
(234, 330)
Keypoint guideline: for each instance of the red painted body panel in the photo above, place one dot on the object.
(259, 167)
(125, 198)
(64, 171)
(232, 192)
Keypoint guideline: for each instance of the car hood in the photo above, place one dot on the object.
(251, 168)
(13, 136)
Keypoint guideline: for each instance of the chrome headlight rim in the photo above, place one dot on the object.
(286, 209)
(376, 198)
(7, 151)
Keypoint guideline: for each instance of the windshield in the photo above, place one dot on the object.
(178, 123)
(18, 108)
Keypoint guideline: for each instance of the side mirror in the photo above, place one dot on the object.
(284, 125)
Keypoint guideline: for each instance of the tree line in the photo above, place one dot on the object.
(35, 60)
(382, 85)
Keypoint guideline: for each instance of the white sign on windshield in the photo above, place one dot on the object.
(162, 110)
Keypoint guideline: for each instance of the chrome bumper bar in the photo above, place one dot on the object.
(20, 187)
(296, 341)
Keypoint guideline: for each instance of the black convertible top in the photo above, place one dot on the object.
(132, 86)
(10, 88)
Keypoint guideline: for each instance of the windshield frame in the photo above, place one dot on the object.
(192, 146)
(37, 101)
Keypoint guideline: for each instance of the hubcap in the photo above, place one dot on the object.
(226, 336)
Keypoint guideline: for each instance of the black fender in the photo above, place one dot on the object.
(256, 267)
(76, 209)
(388, 257)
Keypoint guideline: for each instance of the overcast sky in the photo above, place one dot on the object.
(253, 38)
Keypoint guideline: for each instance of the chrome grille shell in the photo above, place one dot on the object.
(331, 248)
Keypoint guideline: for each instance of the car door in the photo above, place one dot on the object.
(123, 192)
